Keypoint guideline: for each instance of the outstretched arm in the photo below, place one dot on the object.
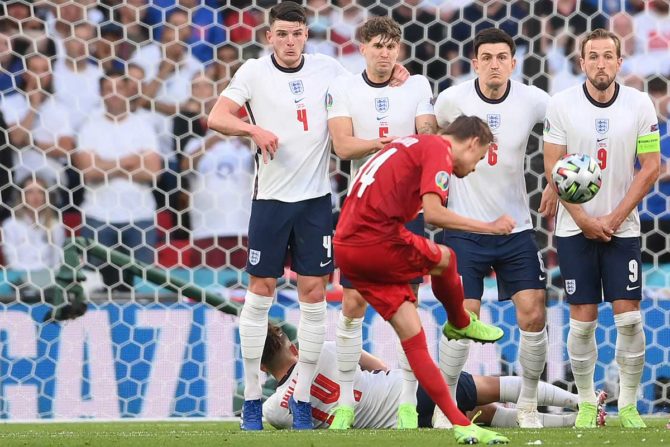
(435, 213)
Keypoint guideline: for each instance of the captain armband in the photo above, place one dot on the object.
(649, 143)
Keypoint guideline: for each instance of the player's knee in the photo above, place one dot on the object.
(312, 290)
(262, 286)
(532, 320)
(353, 304)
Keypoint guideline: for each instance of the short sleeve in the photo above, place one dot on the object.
(648, 135)
(436, 168)
(337, 101)
(240, 87)
(541, 100)
(425, 105)
(445, 108)
(554, 130)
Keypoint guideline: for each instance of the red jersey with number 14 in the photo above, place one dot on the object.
(388, 189)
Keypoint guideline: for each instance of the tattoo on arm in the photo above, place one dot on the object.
(427, 128)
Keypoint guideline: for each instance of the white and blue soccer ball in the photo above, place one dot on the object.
(577, 178)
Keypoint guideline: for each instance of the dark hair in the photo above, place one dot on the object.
(465, 127)
(385, 27)
(601, 33)
(288, 11)
(274, 343)
(494, 35)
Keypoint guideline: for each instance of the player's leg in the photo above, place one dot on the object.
(521, 277)
(269, 229)
(407, 325)
(349, 343)
(473, 264)
(622, 281)
(311, 258)
(507, 417)
(508, 389)
(578, 259)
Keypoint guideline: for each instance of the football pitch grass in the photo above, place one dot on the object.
(221, 434)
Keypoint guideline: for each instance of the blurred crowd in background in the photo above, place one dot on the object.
(103, 108)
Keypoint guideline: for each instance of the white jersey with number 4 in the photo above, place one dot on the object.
(613, 134)
(290, 104)
(498, 185)
(377, 395)
(377, 110)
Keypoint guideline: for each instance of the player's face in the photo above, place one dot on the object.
(494, 64)
(114, 92)
(467, 154)
(380, 55)
(600, 63)
(288, 41)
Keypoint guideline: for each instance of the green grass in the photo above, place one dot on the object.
(205, 434)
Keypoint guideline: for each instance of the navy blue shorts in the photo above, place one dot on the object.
(593, 270)
(304, 229)
(515, 259)
(416, 226)
(466, 399)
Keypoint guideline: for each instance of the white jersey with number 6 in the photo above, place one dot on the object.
(377, 110)
(290, 104)
(498, 185)
(377, 395)
(609, 133)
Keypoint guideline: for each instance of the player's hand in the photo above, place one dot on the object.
(266, 141)
(593, 228)
(398, 76)
(610, 222)
(381, 142)
(503, 225)
(549, 203)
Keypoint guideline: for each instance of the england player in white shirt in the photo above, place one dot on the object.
(284, 94)
(496, 188)
(598, 242)
(378, 392)
(364, 114)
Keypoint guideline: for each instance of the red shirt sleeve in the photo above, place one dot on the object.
(437, 168)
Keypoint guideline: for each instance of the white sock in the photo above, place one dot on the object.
(533, 357)
(547, 394)
(349, 342)
(630, 347)
(253, 332)
(453, 355)
(409, 383)
(506, 417)
(311, 333)
(583, 354)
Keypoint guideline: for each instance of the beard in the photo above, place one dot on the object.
(601, 83)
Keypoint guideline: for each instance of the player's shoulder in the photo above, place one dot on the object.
(567, 96)
(345, 80)
(458, 90)
(321, 60)
(633, 95)
(417, 79)
(529, 91)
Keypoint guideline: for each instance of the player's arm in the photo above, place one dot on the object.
(142, 167)
(644, 179)
(369, 362)
(223, 119)
(349, 147)
(590, 226)
(435, 213)
(426, 124)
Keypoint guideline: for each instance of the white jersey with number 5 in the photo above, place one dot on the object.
(290, 104)
(610, 133)
(498, 185)
(377, 395)
(377, 110)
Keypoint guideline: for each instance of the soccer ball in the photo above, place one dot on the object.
(577, 178)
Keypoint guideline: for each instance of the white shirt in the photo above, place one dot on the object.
(498, 185)
(603, 132)
(221, 188)
(378, 110)
(78, 91)
(117, 199)
(29, 247)
(51, 122)
(290, 104)
(377, 395)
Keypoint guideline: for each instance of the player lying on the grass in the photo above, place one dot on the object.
(377, 391)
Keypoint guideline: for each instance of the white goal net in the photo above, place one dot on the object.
(162, 189)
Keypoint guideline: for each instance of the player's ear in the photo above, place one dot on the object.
(263, 368)
(513, 63)
(294, 349)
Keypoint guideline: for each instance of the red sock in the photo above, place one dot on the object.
(430, 378)
(448, 288)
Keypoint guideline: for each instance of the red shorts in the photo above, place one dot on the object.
(382, 272)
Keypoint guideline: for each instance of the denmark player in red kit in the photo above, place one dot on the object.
(375, 251)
